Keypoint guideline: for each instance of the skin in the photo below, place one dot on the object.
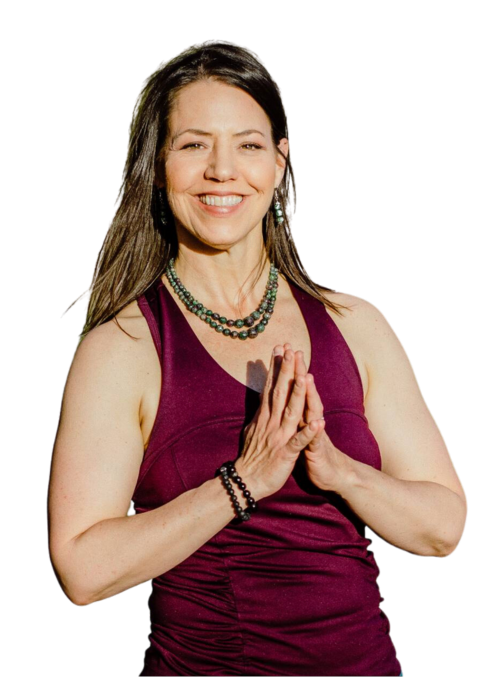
(218, 254)
(417, 472)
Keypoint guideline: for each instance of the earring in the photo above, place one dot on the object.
(163, 208)
(278, 213)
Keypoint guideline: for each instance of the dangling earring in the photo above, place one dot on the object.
(163, 209)
(278, 213)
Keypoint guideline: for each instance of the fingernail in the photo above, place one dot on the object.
(313, 425)
(300, 381)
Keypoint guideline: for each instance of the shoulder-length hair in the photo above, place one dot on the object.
(137, 247)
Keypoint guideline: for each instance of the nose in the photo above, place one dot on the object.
(221, 165)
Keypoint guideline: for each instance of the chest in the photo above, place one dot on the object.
(247, 362)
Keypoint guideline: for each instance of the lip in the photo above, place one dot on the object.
(220, 193)
(221, 210)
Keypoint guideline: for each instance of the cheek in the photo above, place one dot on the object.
(261, 173)
(182, 174)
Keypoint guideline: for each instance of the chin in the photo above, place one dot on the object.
(220, 235)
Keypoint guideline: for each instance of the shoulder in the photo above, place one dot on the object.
(374, 330)
(122, 358)
(119, 336)
(108, 348)
(131, 310)
(375, 340)
(368, 333)
(133, 321)
(356, 305)
(357, 312)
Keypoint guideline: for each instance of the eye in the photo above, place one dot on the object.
(254, 146)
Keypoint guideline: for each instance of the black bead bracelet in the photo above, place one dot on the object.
(227, 472)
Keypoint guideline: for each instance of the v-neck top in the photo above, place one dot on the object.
(293, 591)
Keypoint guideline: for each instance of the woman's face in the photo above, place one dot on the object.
(219, 150)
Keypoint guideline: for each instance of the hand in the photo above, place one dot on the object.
(272, 442)
(327, 467)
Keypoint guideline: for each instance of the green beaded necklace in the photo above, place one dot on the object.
(264, 310)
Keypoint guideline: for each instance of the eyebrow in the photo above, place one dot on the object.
(208, 134)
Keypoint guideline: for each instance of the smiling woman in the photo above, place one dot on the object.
(252, 478)
(219, 152)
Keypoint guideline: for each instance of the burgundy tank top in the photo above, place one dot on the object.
(292, 591)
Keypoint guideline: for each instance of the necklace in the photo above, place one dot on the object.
(263, 312)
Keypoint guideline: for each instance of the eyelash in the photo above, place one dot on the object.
(256, 146)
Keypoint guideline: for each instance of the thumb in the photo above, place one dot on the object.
(315, 443)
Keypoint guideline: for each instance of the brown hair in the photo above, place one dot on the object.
(137, 247)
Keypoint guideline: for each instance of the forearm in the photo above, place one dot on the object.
(119, 553)
(419, 516)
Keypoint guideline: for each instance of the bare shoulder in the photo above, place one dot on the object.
(360, 318)
(360, 323)
(148, 373)
(369, 331)
(131, 312)
(109, 338)
(129, 353)
(359, 312)
(132, 320)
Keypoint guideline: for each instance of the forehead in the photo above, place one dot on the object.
(215, 106)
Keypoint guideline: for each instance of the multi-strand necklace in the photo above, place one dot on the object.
(262, 314)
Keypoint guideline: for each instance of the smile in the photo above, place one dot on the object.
(220, 200)
(221, 206)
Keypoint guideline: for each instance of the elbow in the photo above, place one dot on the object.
(69, 584)
(74, 593)
(449, 547)
(459, 527)
(78, 598)
(77, 595)
(444, 549)
(450, 538)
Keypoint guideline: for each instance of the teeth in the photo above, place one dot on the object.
(221, 200)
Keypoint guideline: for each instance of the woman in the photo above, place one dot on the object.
(255, 444)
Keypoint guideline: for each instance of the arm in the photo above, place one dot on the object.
(416, 501)
(423, 517)
(96, 549)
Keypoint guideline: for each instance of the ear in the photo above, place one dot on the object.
(283, 146)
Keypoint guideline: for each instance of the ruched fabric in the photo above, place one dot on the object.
(293, 591)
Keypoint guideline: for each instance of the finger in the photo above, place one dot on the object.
(320, 435)
(295, 407)
(314, 405)
(302, 369)
(274, 366)
(299, 365)
(303, 438)
(282, 386)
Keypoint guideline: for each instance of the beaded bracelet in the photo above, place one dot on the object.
(228, 471)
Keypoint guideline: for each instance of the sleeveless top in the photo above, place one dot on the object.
(292, 591)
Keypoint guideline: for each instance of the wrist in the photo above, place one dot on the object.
(250, 481)
(233, 486)
(347, 477)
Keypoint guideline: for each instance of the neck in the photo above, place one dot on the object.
(222, 283)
